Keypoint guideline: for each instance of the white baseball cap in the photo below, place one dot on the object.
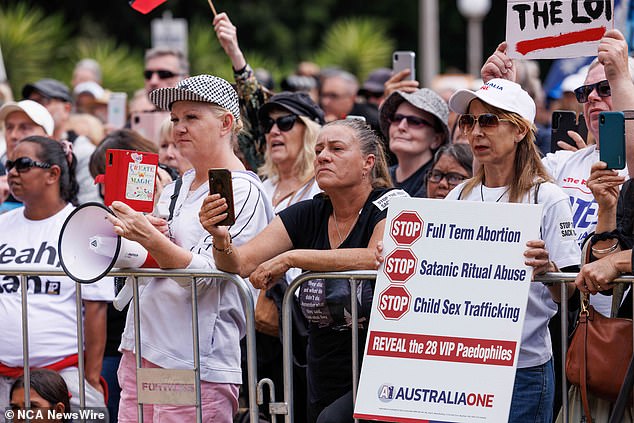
(35, 111)
(500, 93)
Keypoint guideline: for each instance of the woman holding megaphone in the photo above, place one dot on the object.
(206, 117)
(41, 175)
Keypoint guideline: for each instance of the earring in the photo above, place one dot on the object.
(364, 174)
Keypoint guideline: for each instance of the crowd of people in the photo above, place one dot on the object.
(313, 168)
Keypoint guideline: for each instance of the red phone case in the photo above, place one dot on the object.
(130, 178)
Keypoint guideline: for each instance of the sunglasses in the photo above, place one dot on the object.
(413, 121)
(485, 120)
(162, 74)
(284, 123)
(453, 178)
(24, 164)
(602, 87)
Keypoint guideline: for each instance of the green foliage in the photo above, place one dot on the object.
(205, 53)
(36, 46)
(122, 68)
(30, 43)
(207, 56)
(357, 45)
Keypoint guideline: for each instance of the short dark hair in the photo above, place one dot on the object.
(121, 139)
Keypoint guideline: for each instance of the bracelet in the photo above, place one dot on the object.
(227, 250)
(606, 250)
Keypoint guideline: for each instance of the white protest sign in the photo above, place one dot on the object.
(448, 312)
(556, 29)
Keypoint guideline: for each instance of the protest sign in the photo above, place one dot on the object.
(448, 312)
(556, 29)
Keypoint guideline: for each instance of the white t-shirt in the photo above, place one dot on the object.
(165, 304)
(88, 191)
(536, 347)
(571, 171)
(51, 299)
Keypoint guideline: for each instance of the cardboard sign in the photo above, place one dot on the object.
(556, 29)
(130, 178)
(448, 312)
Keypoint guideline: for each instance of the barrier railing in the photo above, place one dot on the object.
(285, 408)
(255, 394)
(245, 294)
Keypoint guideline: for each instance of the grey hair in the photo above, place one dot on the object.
(92, 65)
(630, 66)
(183, 64)
(350, 79)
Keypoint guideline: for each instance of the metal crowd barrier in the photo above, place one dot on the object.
(243, 288)
(285, 407)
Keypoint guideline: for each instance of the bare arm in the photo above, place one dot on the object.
(228, 37)
(94, 340)
(135, 226)
(320, 260)
(273, 240)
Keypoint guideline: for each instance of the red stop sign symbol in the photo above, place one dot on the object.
(406, 228)
(394, 302)
(400, 265)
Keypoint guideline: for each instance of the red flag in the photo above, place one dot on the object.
(146, 6)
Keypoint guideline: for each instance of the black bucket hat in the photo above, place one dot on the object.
(298, 103)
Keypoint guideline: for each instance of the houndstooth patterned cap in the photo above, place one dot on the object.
(205, 88)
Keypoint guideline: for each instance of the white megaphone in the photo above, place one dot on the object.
(89, 248)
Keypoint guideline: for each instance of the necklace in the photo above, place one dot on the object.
(499, 198)
(341, 239)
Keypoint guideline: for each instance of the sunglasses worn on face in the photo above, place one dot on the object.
(162, 74)
(413, 121)
(24, 164)
(485, 120)
(453, 178)
(284, 123)
(602, 87)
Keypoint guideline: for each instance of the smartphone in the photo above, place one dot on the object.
(220, 183)
(612, 139)
(148, 124)
(117, 110)
(562, 122)
(404, 60)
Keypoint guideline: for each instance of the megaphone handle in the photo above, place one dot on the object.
(124, 296)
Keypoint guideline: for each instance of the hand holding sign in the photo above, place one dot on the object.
(612, 54)
(556, 29)
(499, 65)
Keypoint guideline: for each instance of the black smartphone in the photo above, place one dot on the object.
(612, 139)
(220, 183)
(562, 122)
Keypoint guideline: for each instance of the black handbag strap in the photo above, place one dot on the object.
(624, 395)
(177, 187)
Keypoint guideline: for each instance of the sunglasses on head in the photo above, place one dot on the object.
(24, 164)
(162, 74)
(284, 123)
(413, 121)
(602, 87)
(485, 120)
(453, 178)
